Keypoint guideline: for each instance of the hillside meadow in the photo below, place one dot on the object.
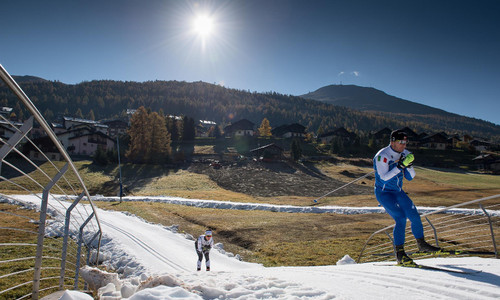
(273, 238)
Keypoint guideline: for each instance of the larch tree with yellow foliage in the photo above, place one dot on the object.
(265, 128)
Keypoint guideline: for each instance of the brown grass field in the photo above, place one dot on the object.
(272, 238)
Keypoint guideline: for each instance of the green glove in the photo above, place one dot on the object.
(406, 162)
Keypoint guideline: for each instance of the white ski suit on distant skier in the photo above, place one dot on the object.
(203, 245)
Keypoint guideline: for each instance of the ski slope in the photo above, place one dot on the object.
(155, 262)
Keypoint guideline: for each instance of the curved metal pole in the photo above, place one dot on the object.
(16, 89)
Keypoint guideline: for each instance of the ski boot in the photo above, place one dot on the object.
(423, 246)
(403, 259)
(208, 268)
(198, 269)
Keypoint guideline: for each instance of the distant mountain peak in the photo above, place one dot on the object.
(27, 78)
(369, 99)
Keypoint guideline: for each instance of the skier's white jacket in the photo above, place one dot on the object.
(387, 176)
(202, 245)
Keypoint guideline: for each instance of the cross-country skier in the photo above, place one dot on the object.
(391, 164)
(203, 244)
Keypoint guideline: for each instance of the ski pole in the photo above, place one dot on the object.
(366, 175)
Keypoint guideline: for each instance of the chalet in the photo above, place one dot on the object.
(45, 150)
(413, 137)
(289, 131)
(73, 123)
(240, 128)
(58, 128)
(84, 140)
(438, 141)
(481, 145)
(116, 127)
(487, 162)
(268, 152)
(88, 143)
(467, 138)
(341, 132)
(382, 136)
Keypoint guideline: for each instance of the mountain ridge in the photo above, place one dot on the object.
(370, 99)
(206, 101)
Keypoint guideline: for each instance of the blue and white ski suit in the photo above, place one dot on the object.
(390, 194)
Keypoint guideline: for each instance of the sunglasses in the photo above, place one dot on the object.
(402, 142)
(208, 236)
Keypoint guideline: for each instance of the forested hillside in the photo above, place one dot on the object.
(372, 100)
(199, 100)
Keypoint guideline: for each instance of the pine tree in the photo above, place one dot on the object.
(140, 137)
(91, 115)
(79, 113)
(189, 130)
(265, 128)
(173, 128)
(160, 139)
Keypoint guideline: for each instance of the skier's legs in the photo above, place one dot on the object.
(200, 258)
(412, 214)
(389, 200)
(207, 259)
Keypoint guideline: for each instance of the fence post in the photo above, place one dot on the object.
(65, 240)
(434, 229)
(16, 138)
(79, 251)
(41, 231)
(491, 229)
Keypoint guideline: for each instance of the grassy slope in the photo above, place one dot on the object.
(296, 239)
(278, 238)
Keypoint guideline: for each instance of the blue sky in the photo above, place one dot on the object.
(445, 54)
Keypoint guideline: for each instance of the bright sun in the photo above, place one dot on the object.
(203, 25)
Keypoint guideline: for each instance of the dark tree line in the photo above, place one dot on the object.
(202, 101)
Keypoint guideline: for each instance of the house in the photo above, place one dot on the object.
(58, 128)
(341, 132)
(240, 128)
(413, 138)
(71, 123)
(84, 140)
(382, 136)
(438, 141)
(88, 143)
(487, 162)
(116, 127)
(289, 131)
(45, 150)
(481, 145)
(268, 152)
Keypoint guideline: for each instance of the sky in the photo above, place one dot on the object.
(441, 53)
(156, 262)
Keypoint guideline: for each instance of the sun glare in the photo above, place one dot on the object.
(203, 25)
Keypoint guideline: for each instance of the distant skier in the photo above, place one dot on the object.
(391, 164)
(203, 245)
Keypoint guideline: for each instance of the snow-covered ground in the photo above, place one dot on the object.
(156, 262)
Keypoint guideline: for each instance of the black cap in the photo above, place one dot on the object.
(398, 135)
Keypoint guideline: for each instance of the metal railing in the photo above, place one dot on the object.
(475, 231)
(41, 251)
